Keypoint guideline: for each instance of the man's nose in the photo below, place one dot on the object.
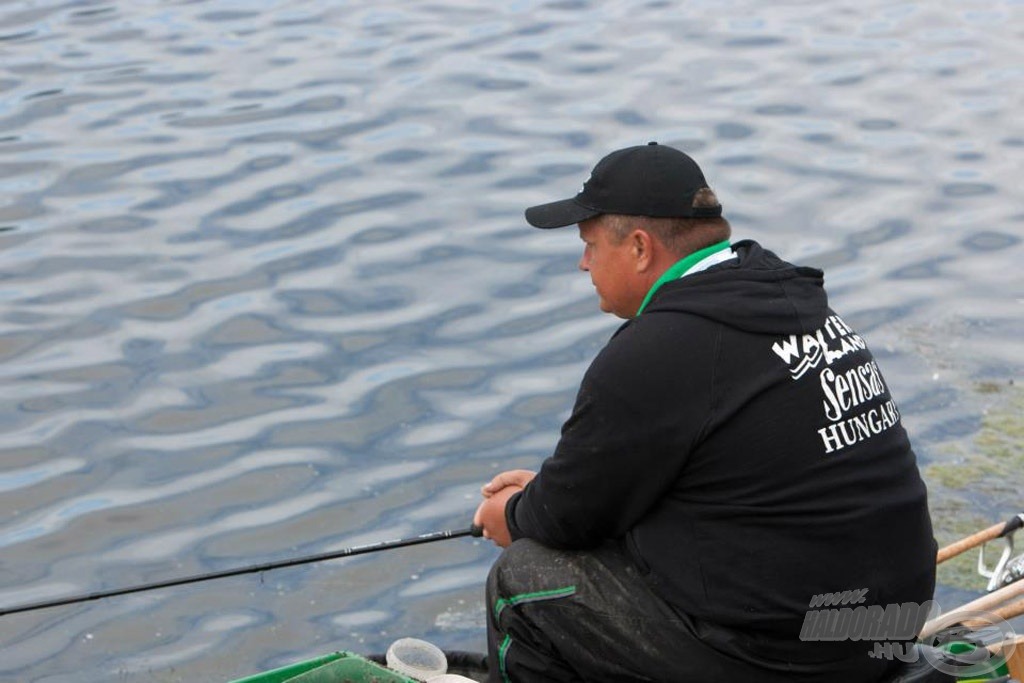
(583, 263)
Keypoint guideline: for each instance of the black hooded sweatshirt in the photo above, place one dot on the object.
(739, 438)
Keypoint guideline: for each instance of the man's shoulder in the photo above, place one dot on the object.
(657, 340)
(658, 327)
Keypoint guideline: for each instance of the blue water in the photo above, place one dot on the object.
(266, 289)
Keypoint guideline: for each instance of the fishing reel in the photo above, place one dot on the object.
(1007, 570)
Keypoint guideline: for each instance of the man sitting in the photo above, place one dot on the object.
(733, 452)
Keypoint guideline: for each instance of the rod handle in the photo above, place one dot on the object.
(983, 536)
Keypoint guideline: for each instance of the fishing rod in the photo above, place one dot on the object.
(473, 530)
(995, 531)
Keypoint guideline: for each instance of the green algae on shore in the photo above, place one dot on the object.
(991, 465)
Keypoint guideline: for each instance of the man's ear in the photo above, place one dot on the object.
(642, 246)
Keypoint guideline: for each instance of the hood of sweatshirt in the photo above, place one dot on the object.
(757, 292)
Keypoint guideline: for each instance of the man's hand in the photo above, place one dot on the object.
(518, 478)
(491, 513)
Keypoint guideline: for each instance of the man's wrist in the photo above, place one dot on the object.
(510, 516)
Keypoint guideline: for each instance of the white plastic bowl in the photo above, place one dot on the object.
(416, 659)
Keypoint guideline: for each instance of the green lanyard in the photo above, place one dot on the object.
(679, 269)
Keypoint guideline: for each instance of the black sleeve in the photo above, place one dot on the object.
(640, 409)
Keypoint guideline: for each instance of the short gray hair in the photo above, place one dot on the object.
(681, 236)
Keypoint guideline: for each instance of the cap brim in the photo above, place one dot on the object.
(559, 214)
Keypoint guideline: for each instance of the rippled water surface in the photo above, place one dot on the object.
(266, 289)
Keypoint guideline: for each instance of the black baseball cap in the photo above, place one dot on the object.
(646, 180)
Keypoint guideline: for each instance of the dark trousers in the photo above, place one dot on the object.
(555, 615)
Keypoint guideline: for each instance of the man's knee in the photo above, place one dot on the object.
(521, 552)
(527, 566)
(510, 569)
